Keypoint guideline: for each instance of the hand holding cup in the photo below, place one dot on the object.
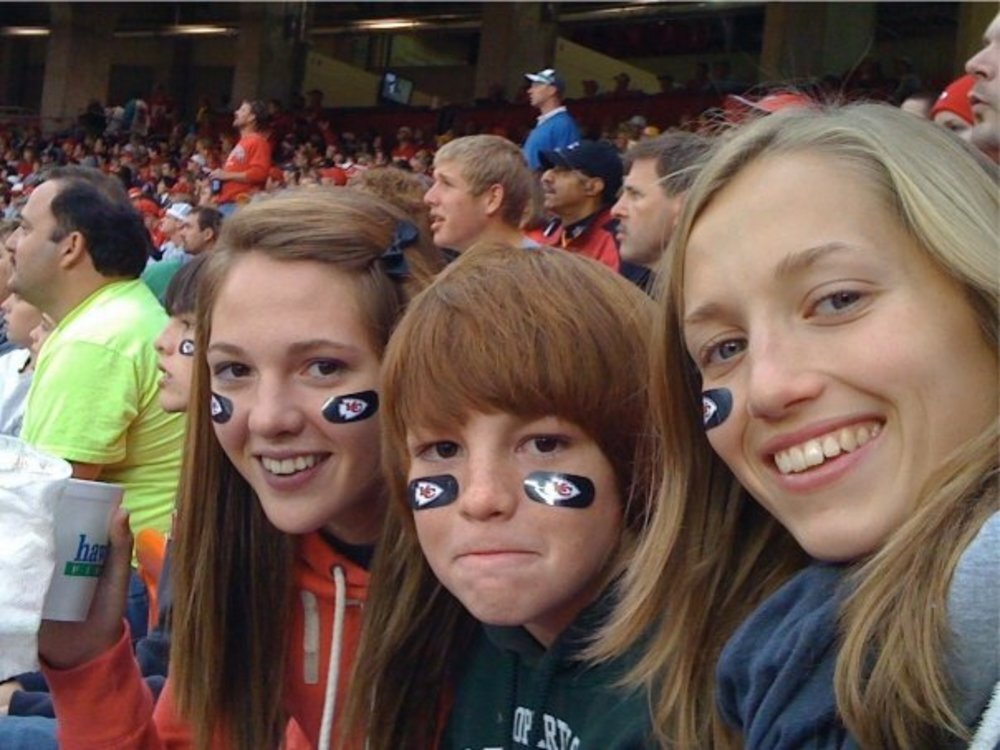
(66, 644)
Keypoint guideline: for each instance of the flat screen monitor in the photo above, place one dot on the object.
(394, 88)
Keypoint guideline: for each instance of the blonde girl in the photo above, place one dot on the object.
(825, 397)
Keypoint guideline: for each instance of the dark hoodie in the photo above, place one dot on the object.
(515, 693)
(775, 675)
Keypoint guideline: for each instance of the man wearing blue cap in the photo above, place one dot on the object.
(556, 127)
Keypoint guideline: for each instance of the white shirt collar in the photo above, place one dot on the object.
(553, 113)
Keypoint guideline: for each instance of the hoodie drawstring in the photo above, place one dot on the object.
(310, 638)
(336, 645)
(551, 663)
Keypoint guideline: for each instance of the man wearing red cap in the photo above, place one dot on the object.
(985, 93)
(150, 212)
(739, 108)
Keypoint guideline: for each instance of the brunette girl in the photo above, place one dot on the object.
(820, 569)
(282, 497)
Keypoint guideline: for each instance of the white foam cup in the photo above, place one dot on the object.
(82, 515)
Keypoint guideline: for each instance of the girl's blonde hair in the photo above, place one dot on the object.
(711, 554)
(233, 571)
(503, 330)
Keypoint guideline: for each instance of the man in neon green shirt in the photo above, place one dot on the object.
(77, 256)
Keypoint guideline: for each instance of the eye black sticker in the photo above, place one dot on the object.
(716, 405)
(432, 492)
(221, 409)
(186, 347)
(354, 407)
(559, 490)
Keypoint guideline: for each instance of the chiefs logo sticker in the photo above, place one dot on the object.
(708, 409)
(432, 492)
(716, 404)
(221, 409)
(564, 489)
(559, 490)
(352, 407)
(426, 492)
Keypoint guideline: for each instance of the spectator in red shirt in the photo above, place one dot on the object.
(28, 163)
(150, 213)
(405, 149)
(248, 164)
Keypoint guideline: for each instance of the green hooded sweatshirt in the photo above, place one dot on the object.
(514, 693)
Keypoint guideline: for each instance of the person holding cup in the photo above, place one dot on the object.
(820, 569)
(282, 496)
(26, 698)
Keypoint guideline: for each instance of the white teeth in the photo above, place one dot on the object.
(847, 439)
(816, 451)
(287, 466)
(798, 459)
(831, 447)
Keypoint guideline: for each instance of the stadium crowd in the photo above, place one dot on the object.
(651, 437)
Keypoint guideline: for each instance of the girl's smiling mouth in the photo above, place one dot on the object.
(819, 450)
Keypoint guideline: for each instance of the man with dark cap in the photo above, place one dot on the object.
(556, 127)
(580, 184)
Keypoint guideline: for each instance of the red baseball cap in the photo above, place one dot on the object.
(955, 99)
(774, 102)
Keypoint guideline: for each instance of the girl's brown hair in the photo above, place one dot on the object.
(711, 554)
(400, 188)
(181, 295)
(504, 329)
(233, 567)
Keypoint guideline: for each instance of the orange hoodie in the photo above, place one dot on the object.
(105, 703)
